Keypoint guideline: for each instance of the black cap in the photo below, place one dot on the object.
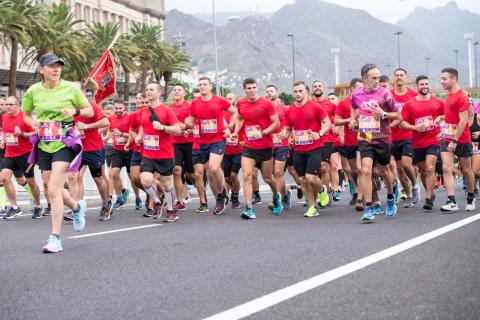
(50, 58)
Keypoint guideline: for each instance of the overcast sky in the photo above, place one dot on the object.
(389, 10)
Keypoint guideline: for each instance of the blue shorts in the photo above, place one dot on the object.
(231, 163)
(280, 154)
(420, 155)
(205, 149)
(136, 159)
(94, 160)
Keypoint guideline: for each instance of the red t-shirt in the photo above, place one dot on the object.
(157, 144)
(277, 142)
(329, 108)
(233, 145)
(415, 112)
(181, 111)
(454, 104)
(398, 134)
(122, 124)
(134, 124)
(304, 120)
(210, 115)
(343, 111)
(256, 117)
(92, 140)
(14, 145)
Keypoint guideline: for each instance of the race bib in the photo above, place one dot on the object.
(11, 140)
(427, 121)
(151, 142)
(50, 131)
(209, 126)
(448, 130)
(232, 142)
(369, 124)
(475, 148)
(277, 142)
(253, 132)
(303, 137)
(120, 140)
(196, 131)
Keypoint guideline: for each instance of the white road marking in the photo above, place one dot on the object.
(296, 289)
(114, 231)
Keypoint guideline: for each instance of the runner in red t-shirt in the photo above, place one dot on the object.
(280, 147)
(402, 150)
(157, 124)
(348, 149)
(16, 143)
(418, 116)
(122, 150)
(308, 123)
(208, 109)
(456, 140)
(182, 144)
(258, 119)
(329, 166)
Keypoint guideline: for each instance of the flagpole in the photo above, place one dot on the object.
(114, 41)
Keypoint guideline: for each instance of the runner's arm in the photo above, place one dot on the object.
(326, 126)
(102, 123)
(274, 125)
(339, 121)
(462, 124)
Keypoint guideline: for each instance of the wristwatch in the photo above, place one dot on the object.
(454, 140)
(263, 133)
(320, 133)
(385, 116)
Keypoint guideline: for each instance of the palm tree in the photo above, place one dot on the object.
(16, 17)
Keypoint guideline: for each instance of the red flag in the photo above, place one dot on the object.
(103, 78)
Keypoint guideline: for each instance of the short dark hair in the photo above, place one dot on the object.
(205, 78)
(452, 71)
(119, 101)
(248, 81)
(315, 81)
(354, 81)
(365, 68)
(400, 69)
(384, 78)
(420, 78)
(331, 94)
(272, 86)
(179, 85)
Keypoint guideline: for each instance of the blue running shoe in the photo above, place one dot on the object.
(391, 209)
(288, 200)
(377, 208)
(248, 214)
(368, 215)
(351, 189)
(277, 206)
(125, 194)
(37, 213)
(79, 216)
(396, 192)
(337, 196)
(138, 204)
(119, 203)
(54, 245)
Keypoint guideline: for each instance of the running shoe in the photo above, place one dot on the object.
(311, 212)
(377, 208)
(403, 195)
(119, 203)
(12, 213)
(169, 216)
(47, 212)
(125, 194)
(235, 202)
(416, 197)
(173, 217)
(337, 196)
(248, 214)
(220, 206)
(428, 204)
(109, 206)
(68, 216)
(105, 214)
(278, 207)
(396, 194)
(256, 198)
(149, 213)
(359, 205)
(450, 206)
(351, 189)
(54, 245)
(354, 199)
(202, 209)
(158, 209)
(37, 213)
(138, 204)
(180, 206)
(368, 215)
(299, 193)
(226, 196)
(288, 200)
(3, 212)
(470, 206)
(79, 216)
(391, 209)
(323, 196)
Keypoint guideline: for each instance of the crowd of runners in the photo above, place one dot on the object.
(378, 136)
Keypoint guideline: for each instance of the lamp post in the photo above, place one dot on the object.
(426, 62)
(456, 58)
(293, 54)
(398, 45)
(217, 86)
(475, 44)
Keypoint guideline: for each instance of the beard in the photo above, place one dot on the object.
(318, 95)
(424, 92)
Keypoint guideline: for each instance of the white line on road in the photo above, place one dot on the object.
(114, 231)
(296, 289)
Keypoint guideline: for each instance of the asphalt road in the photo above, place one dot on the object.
(204, 264)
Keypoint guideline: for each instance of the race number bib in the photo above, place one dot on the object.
(232, 142)
(11, 140)
(475, 148)
(209, 126)
(448, 130)
(196, 131)
(302, 137)
(120, 140)
(277, 142)
(426, 121)
(253, 132)
(50, 131)
(369, 124)
(151, 142)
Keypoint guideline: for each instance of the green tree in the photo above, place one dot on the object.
(287, 98)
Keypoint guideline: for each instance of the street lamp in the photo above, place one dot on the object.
(475, 44)
(293, 53)
(398, 45)
(426, 61)
(456, 58)
(217, 87)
